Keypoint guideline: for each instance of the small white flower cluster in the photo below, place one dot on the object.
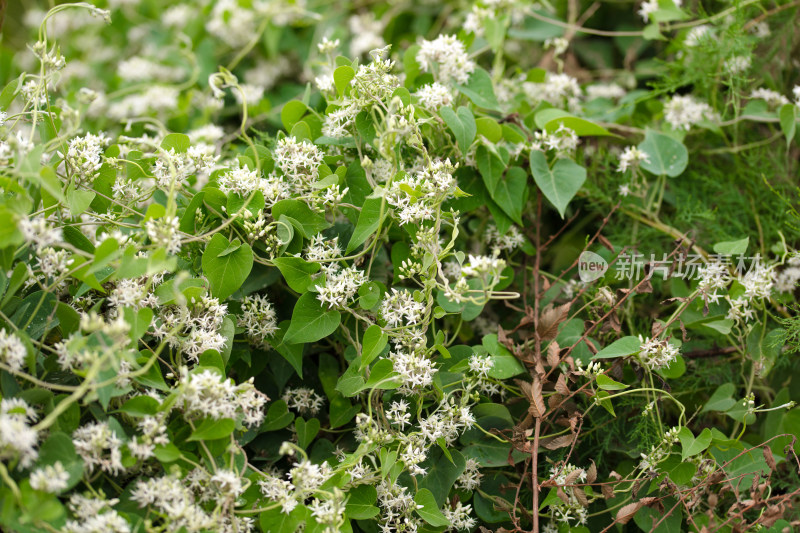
(737, 65)
(259, 320)
(648, 7)
(758, 283)
(322, 249)
(303, 480)
(95, 515)
(153, 100)
(415, 368)
(509, 241)
(40, 231)
(459, 516)
(303, 400)
(713, 276)
(192, 328)
(374, 81)
(489, 268)
(99, 447)
(434, 95)
(697, 35)
(84, 158)
(165, 232)
(341, 285)
(51, 478)
(398, 414)
(563, 141)
(172, 168)
(367, 31)
(430, 187)
(564, 476)
(447, 422)
(772, 98)
(171, 498)
(208, 394)
(480, 365)
(786, 280)
(17, 438)
(470, 478)
(631, 158)
(683, 112)
(139, 69)
(397, 505)
(12, 350)
(298, 160)
(154, 433)
(656, 353)
(557, 89)
(610, 91)
(400, 309)
(450, 56)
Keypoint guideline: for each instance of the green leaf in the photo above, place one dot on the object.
(732, 247)
(351, 382)
(489, 128)
(373, 343)
(491, 167)
(462, 124)
(603, 399)
(667, 156)
(361, 503)
(428, 510)
(278, 417)
(382, 376)
(606, 383)
(210, 429)
(59, 447)
(180, 142)
(310, 221)
(620, 348)
(297, 272)
(291, 113)
(306, 431)
(442, 473)
(690, 445)
(226, 269)
(480, 90)
(559, 184)
(276, 521)
(140, 406)
(788, 117)
(311, 321)
(505, 365)
(722, 399)
(368, 221)
(581, 127)
(511, 193)
(79, 201)
(342, 77)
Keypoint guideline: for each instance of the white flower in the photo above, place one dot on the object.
(17, 439)
(631, 157)
(99, 446)
(303, 400)
(682, 112)
(737, 64)
(450, 56)
(164, 232)
(773, 98)
(52, 478)
(656, 353)
(399, 309)
(207, 394)
(258, 318)
(612, 91)
(12, 350)
(697, 34)
(480, 365)
(434, 95)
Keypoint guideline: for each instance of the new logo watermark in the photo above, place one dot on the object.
(591, 266)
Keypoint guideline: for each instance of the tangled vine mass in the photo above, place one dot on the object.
(414, 266)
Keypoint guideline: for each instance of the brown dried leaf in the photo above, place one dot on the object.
(561, 385)
(573, 477)
(591, 474)
(561, 494)
(558, 442)
(549, 320)
(605, 242)
(607, 491)
(554, 401)
(580, 496)
(625, 514)
(552, 354)
(537, 407)
(768, 457)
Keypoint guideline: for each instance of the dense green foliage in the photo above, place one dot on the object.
(274, 266)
